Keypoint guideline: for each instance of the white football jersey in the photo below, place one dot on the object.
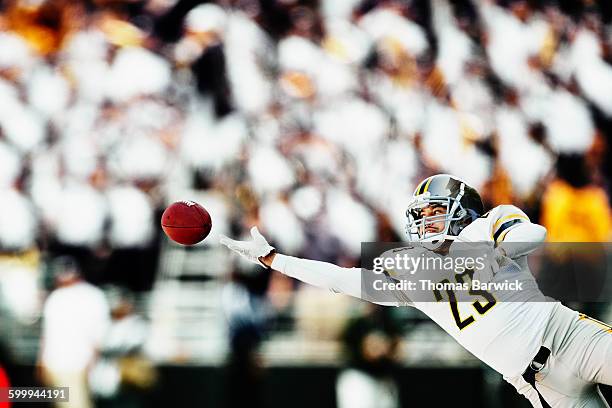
(504, 329)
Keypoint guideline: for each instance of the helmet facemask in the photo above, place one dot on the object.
(417, 223)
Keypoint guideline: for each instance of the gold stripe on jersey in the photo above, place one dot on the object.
(601, 324)
(502, 236)
(502, 231)
(500, 221)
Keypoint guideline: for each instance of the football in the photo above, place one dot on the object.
(186, 222)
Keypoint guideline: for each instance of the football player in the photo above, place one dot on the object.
(553, 355)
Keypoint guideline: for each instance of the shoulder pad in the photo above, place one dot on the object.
(502, 218)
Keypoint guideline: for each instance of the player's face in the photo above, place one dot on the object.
(435, 226)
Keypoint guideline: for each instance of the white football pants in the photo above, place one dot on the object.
(580, 358)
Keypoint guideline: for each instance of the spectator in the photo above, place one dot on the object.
(123, 374)
(573, 208)
(371, 345)
(75, 320)
(247, 313)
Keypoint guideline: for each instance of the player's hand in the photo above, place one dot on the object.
(251, 250)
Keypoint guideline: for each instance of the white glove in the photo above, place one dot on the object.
(251, 250)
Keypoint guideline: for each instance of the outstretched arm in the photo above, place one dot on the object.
(321, 274)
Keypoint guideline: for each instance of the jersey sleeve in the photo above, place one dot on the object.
(326, 276)
(503, 219)
(512, 230)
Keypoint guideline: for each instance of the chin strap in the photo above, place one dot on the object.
(437, 241)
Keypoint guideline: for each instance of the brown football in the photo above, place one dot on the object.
(186, 222)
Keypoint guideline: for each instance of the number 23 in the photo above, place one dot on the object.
(452, 300)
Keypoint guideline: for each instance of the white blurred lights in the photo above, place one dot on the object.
(136, 71)
(80, 216)
(269, 171)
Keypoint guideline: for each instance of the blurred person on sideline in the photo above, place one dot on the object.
(123, 374)
(575, 210)
(247, 312)
(566, 221)
(371, 344)
(75, 320)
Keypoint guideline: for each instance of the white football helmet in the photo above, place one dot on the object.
(462, 203)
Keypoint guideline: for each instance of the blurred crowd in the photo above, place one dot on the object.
(321, 114)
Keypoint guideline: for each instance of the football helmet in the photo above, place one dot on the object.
(462, 202)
